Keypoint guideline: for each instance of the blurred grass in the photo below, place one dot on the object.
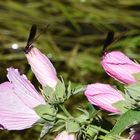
(73, 41)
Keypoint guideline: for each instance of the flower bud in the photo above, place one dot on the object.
(42, 68)
(103, 96)
(120, 67)
(65, 136)
(136, 136)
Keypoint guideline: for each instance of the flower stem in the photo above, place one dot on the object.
(100, 129)
(65, 110)
(60, 116)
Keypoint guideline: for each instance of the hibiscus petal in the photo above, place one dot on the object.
(120, 67)
(42, 68)
(24, 89)
(104, 96)
(14, 114)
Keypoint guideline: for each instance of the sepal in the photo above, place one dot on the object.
(91, 132)
(47, 126)
(46, 112)
(72, 126)
(121, 106)
(57, 95)
(137, 76)
(83, 117)
(132, 96)
(59, 126)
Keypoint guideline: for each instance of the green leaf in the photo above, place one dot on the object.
(58, 128)
(79, 89)
(126, 120)
(82, 117)
(47, 126)
(69, 91)
(110, 138)
(46, 112)
(59, 125)
(72, 126)
(61, 116)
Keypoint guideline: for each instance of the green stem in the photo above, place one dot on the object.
(100, 129)
(65, 111)
(60, 116)
(94, 113)
(112, 138)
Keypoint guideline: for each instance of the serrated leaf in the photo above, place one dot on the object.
(126, 120)
(71, 126)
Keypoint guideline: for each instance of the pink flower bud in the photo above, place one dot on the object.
(42, 68)
(120, 67)
(104, 96)
(65, 136)
(17, 100)
(136, 136)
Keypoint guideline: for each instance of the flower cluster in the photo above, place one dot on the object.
(122, 69)
(18, 97)
(22, 106)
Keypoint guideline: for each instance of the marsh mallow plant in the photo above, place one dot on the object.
(22, 106)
